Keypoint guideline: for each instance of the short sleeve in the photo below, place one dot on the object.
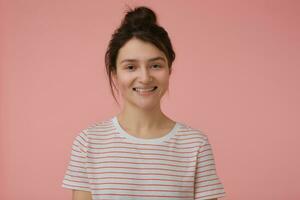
(207, 182)
(76, 176)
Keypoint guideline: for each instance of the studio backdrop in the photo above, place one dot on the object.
(236, 77)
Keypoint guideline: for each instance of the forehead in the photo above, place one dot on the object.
(137, 49)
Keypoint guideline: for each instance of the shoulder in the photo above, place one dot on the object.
(191, 132)
(95, 129)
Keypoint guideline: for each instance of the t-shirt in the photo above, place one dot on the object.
(113, 164)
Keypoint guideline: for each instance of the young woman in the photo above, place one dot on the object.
(141, 153)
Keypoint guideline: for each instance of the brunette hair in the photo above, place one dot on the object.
(140, 23)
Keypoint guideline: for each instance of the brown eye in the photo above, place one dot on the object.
(157, 66)
(130, 67)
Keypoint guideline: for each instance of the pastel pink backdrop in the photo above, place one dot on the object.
(236, 77)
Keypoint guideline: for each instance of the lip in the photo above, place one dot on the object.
(155, 87)
(146, 87)
(134, 88)
(148, 93)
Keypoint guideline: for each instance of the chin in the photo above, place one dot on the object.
(145, 105)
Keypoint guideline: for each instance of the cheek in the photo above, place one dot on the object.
(124, 82)
(163, 78)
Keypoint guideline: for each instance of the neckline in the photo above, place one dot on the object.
(143, 140)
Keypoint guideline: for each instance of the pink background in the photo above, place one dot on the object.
(236, 77)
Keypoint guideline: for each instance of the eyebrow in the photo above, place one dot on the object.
(151, 59)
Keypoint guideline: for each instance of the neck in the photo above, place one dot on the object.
(142, 121)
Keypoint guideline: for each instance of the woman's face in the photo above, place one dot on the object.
(142, 74)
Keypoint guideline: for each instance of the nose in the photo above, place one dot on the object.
(145, 76)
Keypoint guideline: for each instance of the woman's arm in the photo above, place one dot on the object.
(81, 195)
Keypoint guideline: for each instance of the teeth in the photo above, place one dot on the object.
(144, 89)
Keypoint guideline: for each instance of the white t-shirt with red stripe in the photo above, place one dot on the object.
(112, 164)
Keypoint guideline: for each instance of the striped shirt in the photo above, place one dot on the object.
(112, 164)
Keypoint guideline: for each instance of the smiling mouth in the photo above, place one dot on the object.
(145, 89)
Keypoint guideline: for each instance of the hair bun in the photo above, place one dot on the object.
(139, 18)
